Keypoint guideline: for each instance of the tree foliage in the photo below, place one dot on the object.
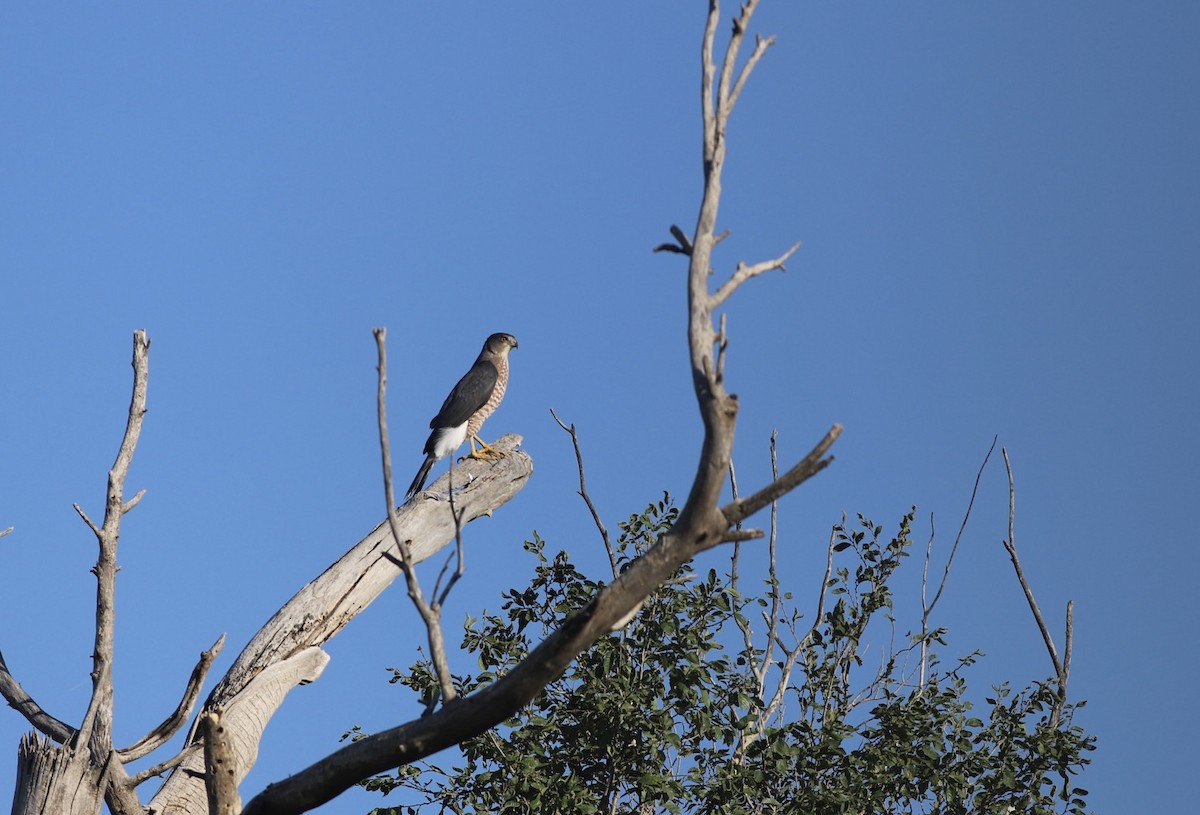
(674, 714)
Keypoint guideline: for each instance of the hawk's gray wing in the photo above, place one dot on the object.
(469, 395)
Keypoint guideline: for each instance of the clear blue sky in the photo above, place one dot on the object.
(999, 205)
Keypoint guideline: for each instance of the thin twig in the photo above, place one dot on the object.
(962, 528)
(1062, 668)
(742, 622)
(829, 549)
(90, 524)
(772, 572)
(165, 766)
(460, 564)
(744, 273)
(737, 545)
(773, 618)
(927, 608)
(430, 616)
(134, 501)
(587, 499)
(1011, 547)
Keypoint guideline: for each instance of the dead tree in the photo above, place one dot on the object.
(68, 769)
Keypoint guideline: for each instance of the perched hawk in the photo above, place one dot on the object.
(473, 399)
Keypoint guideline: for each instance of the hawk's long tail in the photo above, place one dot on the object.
(419, 482)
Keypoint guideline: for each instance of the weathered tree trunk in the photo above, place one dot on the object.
(56, 779)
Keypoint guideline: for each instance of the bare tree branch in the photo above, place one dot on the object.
(1011, 547)
(772, 573)
(707, 102)
(927, 609)
(98, 718)
(587, 499)
(1062, 667)
(805, 469)
(761, 45)
(823, 593)
(134, 501)
(741, 621)
(164, 766)
(744, 273)
(773, 618)
(92, 526)
(429, 615)
(459, 557)
(725, 98)
(682, 245)
(171, 725)
(961, 528)
(24, 704)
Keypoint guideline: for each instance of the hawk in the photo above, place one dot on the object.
(474, 398)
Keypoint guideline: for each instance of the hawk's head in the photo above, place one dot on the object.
(500, 344)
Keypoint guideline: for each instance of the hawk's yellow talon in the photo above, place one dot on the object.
(485, 452)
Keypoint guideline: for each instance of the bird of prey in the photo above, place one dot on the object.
(473, 399)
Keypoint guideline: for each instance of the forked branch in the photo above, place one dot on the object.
(430, 613)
